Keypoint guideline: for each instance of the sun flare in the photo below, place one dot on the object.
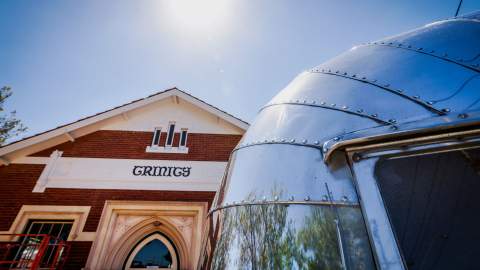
(199, 16)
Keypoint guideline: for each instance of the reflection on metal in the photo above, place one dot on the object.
(386, 86)
(338, 227)
(378, 225)
(333, 106)
(266, 202)
(430, 52)
(299, 192)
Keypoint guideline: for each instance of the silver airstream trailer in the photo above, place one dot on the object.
(368, 161)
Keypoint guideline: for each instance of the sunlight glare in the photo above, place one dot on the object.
(199, 16)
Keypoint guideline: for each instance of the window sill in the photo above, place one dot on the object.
(162, 149)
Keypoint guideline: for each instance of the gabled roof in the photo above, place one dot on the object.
(65, 129)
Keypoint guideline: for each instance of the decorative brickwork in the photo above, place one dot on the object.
(132, 144)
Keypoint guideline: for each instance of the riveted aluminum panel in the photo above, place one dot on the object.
(418, 76)
(443, 39)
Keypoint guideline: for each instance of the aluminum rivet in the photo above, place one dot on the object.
(374, 115)
(307, 198)
(430, 102)
(374, 81)
(282, 140)
(333, 104)
(364, 78)
(392, 121)
(276, 198)
(304, 101)
(344, 73)
(337, 71)
(420, 49)
(394, 127)
(360, 111)
(344, 107)
(297, 101)
(316, 142)
(313, 102)
(291, 198)
(264, 198)
(446, 110)
(304, 141)
(344, 198)
(322, 103)
(265, 141)
(463, 115)
(399, 90)
(336, 139)
(292, 140)
(416, 97)
(354, 75)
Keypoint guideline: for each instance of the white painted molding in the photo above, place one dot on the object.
(4, 161)
(69, 136)
(49, 168)
(171, 150)
(78, 214)
(131, 174)
(43, 137)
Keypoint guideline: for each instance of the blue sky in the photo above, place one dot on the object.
(69, 59)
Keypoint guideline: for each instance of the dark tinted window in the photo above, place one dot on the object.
(154, 253)
(183, 138)
(156, 136)
(171, 130)
(433, 206)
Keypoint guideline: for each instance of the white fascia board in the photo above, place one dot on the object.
(230, 119)
(115, 112)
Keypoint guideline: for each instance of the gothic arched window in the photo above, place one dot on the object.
(155, 251)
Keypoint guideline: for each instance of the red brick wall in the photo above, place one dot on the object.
(18, 180)
(132, 144)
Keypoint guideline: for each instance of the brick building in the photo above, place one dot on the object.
(128, 188)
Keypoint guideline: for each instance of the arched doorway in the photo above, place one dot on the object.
(155, 251)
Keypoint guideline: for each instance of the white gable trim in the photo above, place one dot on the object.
(121, 110)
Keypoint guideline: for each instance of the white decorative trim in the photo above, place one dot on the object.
(4, 161)
(162, 149)
(43, 137)
(78, 214)
(124, 223)
(129, 174)
(49, 168)
(31, 160)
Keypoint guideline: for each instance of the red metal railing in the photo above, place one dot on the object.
(33, 251)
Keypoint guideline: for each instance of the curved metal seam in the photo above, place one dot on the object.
(313, 203)
(315, 145)
(334, 107)
(429, 52)
(415, 98)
